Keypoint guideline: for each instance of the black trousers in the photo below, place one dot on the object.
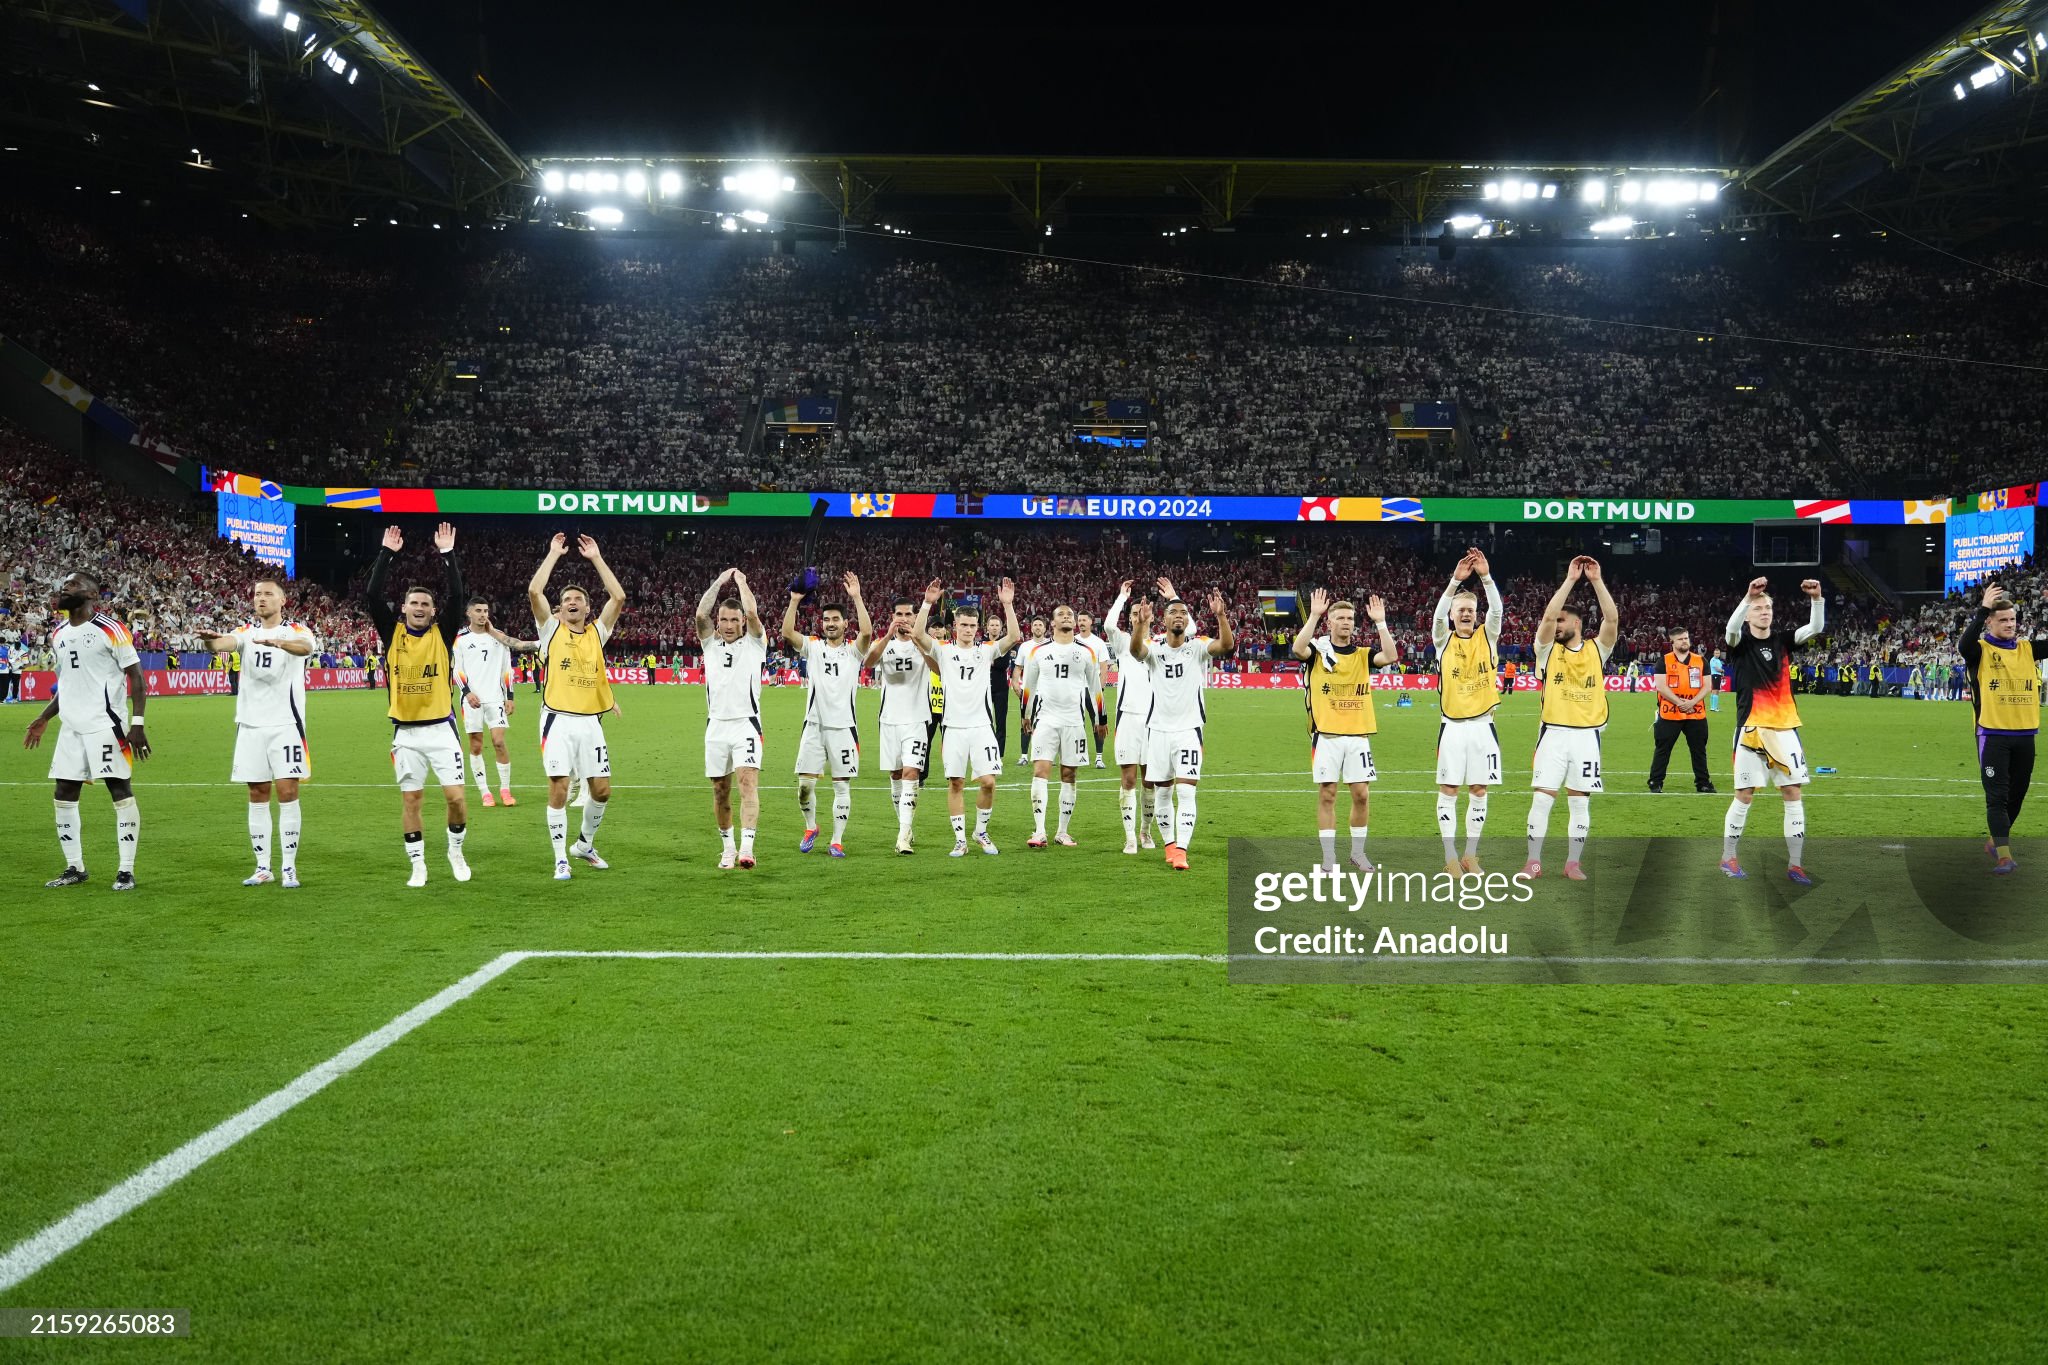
(2006, 764)
(1667, 733)
(931, 749)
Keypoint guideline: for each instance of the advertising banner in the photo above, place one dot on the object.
(1980, 543)
(266, 526)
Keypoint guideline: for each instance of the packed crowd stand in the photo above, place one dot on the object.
(620, 362)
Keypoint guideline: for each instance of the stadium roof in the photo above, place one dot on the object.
(301, 110)
(1953, 143)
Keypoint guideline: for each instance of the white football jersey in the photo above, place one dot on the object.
(1063, 680)
(92, 664)
(1178, 675)
(482, 665)
(273, 687)
(1133, 679)
(902, 674)
(965, 673)
(732, 676)
(833, 673)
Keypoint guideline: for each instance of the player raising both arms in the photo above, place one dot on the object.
(969, 719)
(1574, 713)
(578, 693)
(735, 646)
(829, 741)
(1133, 701)
(2004, 671)
(1179, 667)
(1084, 632)
(901, 670)
(270, 723)
(1468, 690)
(420, 671)
(483, 672)
(1341, 721)
(1062, 698)
(1767, 747)
(99, 675)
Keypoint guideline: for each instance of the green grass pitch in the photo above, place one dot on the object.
(631, 1159)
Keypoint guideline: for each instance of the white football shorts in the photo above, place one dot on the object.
(418, 749)
(1173, 756)
(1341, 758)
(730, 745)
(829, 752)
(573, 745)
(1568, 759)
(1468, 753)
(89, 756)
(267, 753)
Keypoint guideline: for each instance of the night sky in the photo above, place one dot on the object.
(1694, 82)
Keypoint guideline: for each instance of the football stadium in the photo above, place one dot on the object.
(1223, 751)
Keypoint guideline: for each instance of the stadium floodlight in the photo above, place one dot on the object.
(611, 182)
(636, 183)
(1960, 92)
(728, 224)
(575, 180)
(1985, 75)
(1550, 191)
(1709, 190)
(1631, 191)
(1463, 222)
(1593, 192)
(1490, 190)
(351, 75)
(759, 182)
(291, 22)
(552, 181)
(266, 8)
(608, 215)
(2041, 42)
(754, 215)
(1619, 223)
(1485, 230)
(671, 184)
(1530, 189)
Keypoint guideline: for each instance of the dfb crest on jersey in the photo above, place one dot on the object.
(1765, 654)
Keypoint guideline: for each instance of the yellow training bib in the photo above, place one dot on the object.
(2007, 685)
(1340, 690)
(577, 684)
(1468, 683)
(1574, 687)
(416, 672)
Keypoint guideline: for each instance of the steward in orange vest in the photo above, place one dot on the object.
(1681, 710)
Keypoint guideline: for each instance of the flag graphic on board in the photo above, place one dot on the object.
(1823, 509)
(1401, 509)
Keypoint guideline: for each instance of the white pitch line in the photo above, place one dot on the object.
(38, 1250)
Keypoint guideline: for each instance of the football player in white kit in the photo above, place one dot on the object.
(1468, 690)
(969, 718)
(483, 671)
(735, 646)
(575, 698)
(1179, 667)
(832, 667)
(1133, 701)
(901, 672)
(270, 723)
(1062, 697)
(99, 675)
